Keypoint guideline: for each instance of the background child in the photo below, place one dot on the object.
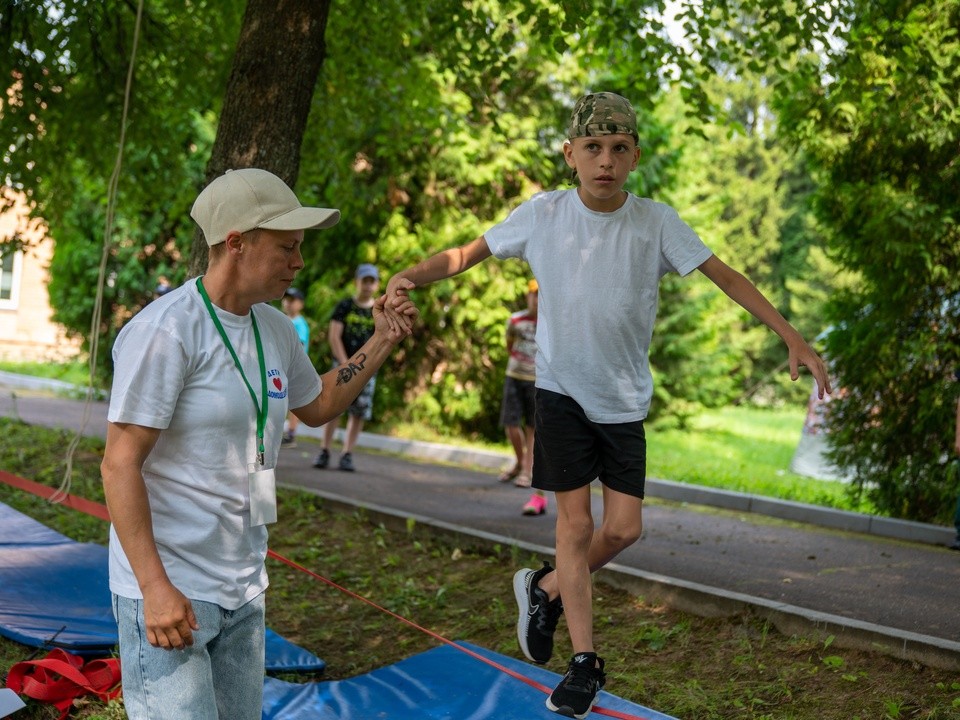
(598, 253)
(351, 325)
(516, 409)
(292, 304)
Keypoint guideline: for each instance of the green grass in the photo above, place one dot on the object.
(76, 373)
(734, 668)
(746, 450)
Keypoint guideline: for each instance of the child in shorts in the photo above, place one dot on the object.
(598, 253)
(351, 325)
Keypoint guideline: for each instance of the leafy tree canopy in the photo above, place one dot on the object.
(431, 119)
(880, 121)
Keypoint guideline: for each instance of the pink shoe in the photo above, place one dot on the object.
(536, 505)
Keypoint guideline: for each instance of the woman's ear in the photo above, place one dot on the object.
(234, 243)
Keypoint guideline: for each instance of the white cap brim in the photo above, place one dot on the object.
(303, 218)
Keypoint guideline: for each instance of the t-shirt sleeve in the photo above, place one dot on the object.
(150, 367)
(682, 250)
(508, 239)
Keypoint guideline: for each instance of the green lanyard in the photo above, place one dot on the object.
(261, 410)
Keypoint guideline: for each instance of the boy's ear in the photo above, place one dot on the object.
(568, 154)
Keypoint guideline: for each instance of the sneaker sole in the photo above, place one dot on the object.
(567, 711)
(521, 592)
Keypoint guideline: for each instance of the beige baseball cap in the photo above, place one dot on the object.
(242, 200)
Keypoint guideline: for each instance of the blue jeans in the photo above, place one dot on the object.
(219, 677)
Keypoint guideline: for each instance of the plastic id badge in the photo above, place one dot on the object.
(263, 496)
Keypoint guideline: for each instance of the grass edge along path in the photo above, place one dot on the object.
(740, 448)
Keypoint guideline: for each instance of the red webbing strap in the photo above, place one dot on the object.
(100, 511)
(72, 501)
(60, 677)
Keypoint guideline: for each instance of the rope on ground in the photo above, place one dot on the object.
(64, 488)
(99, 510)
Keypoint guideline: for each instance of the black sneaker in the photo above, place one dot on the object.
(288, 440)
(576, 694)
(346, 462)
(538, 616)
(323, 459)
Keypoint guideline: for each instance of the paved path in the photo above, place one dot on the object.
(909, 587)
(891, 583)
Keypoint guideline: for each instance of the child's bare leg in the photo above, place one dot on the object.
(515, 436)
(528, 457)
(621, 527)
(574, 538)
(328, 430)
(354, 426)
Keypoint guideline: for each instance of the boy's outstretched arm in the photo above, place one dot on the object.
(444, 264)
(745, 294)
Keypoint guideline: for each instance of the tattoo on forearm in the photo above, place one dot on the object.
(347, 371)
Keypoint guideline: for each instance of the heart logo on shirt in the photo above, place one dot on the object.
(277, 383)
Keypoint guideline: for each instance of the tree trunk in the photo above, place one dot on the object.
(267, 102)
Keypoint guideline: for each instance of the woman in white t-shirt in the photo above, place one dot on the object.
(204, 377)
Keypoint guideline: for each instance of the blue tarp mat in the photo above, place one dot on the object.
(54, 587)
(284, 656)
(51, 586)
(440, 684)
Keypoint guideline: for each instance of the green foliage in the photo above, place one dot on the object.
(61, 122)
(445, 155)
(449, 116)
(883, 135)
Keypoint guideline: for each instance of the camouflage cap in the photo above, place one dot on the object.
(603, 113)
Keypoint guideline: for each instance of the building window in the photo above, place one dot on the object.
(9, 279)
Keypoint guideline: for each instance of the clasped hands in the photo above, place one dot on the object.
(395, 310)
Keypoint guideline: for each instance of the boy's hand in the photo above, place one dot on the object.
(806, 356)
(398, 287)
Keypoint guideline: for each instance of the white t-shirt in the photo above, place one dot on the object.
(598, 275)
(173, 372)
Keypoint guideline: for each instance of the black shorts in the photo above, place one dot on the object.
(569, 450)
(518, 402)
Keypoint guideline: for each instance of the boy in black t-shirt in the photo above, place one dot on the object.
(351, 325)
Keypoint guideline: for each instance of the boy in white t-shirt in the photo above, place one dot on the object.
(598, 253)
